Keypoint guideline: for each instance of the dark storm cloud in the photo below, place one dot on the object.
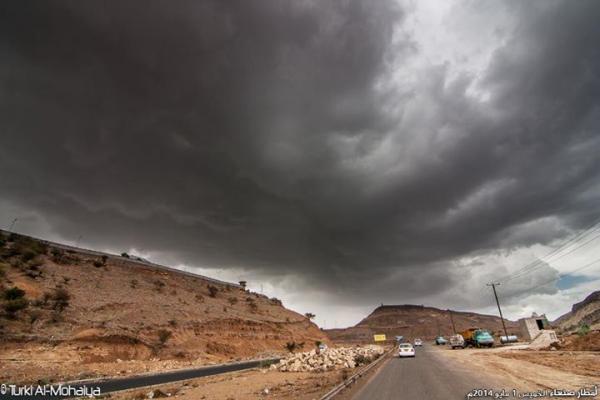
(265, 135)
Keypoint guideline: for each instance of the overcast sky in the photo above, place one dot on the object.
(335, 154)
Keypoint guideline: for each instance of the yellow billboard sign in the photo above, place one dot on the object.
(379, 338)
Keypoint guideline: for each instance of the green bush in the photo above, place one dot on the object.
(13, 306)
(583, 330)
(14, 293)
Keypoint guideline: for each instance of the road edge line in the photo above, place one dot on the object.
(337, 389)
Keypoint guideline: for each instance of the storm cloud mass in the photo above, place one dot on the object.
(306, 141)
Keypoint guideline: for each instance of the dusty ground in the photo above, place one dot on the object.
(118, 310)
(527, 370)
(582, 363)
(589, 342)
(248, 385)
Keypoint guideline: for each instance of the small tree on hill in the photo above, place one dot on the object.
(309, 315)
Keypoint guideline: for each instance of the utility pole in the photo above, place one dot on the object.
(493, 285)
(452, 320)
(13, 224)
(78, 240)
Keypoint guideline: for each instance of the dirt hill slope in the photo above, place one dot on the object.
(415, 321)
(585, 312)
(64, 313)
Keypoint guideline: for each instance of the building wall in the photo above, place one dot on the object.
(529, 328)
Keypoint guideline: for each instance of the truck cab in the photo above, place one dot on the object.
(483, 338)
(478, 338)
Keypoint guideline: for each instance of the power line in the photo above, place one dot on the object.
(560, 276)
(557, 258)
(554, 254)
(535, 264)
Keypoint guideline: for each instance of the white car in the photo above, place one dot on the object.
(406, 350)
(418, 342)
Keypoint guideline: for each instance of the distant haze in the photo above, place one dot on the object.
(337, 155)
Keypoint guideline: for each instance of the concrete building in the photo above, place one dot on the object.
(536, 330)
(532, 326)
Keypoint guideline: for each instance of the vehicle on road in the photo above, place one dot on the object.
(477, 337)
(440, 340)
(457, 341)
(406, 350)
(418, 342)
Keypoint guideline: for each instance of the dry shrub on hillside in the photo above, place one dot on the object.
(11, 307)
(212, 291)
(158, 285)
(61, 298)
(163, 336)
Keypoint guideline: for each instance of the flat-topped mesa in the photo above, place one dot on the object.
(416, 321)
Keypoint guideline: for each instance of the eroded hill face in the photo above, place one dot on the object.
(584, 313)
(71, 315)
(414, 321)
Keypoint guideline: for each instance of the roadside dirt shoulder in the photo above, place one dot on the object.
(528, 370)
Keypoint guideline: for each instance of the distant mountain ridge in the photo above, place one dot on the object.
(412, 321)
(584, 312)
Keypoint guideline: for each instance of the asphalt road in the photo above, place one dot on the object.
(428, 376)
(112, 385)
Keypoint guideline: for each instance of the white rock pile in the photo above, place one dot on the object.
(329, 359)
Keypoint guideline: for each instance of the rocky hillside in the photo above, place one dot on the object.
(586, 312)
(68, 314)
(415, 321)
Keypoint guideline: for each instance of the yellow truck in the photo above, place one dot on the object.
(477, 337)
